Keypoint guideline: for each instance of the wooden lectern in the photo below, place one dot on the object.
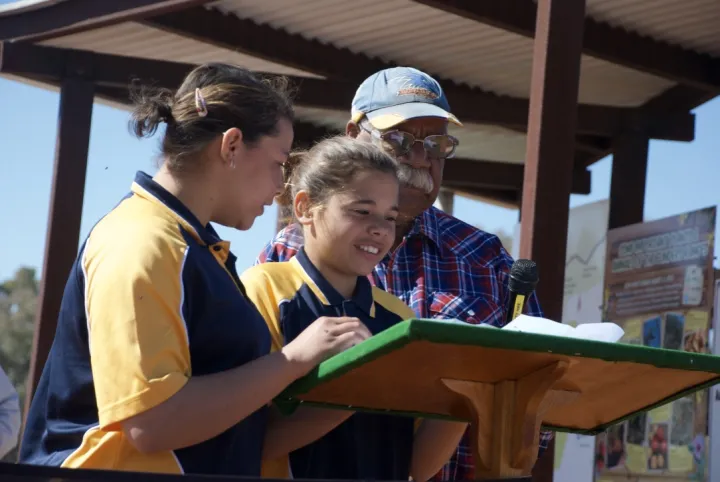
(506, 383)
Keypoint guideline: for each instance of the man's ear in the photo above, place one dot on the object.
(302, 208)
(352, 129)
(230, 145)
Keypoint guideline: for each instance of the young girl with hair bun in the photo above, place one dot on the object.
(344, 194)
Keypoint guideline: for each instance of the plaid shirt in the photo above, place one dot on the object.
(444, 268)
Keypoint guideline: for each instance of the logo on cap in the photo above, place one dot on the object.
(414, 85)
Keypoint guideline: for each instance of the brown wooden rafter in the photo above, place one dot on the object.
(470, 103)
(467, 175)
(595, 123)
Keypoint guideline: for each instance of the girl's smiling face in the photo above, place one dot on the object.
(351, 232)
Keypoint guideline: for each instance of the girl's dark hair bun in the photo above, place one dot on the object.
(152, 107)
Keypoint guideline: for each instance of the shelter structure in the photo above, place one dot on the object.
(545, 89)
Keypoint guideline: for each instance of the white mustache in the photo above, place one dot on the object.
(416, 178)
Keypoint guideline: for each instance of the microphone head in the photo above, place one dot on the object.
(523, 276)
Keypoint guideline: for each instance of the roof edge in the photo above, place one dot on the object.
(22, 6)
(38, 20)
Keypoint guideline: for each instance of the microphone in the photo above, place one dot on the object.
(523, 280)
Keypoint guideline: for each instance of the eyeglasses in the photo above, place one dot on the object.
(439, 146)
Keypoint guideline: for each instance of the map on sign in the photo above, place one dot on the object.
(585, 264)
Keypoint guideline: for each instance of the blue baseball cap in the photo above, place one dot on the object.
(397, 94)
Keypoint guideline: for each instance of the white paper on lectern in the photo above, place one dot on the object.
(608, 332)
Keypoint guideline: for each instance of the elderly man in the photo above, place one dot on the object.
(440, 266)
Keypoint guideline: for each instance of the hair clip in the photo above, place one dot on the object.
(200, 105)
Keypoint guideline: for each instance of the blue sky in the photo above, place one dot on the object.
(681, 176)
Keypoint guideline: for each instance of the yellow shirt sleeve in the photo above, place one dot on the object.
(138, 339)
(393, 303)
(261, 292)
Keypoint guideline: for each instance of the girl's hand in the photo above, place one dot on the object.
(324, 338)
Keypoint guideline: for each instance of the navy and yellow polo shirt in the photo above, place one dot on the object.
(152, 299)
(291, 295)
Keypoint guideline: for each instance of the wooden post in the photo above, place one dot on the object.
(506, 419)
(629, 176)
(63, 228)
(445, 201)
(284, 217)
(550, 156)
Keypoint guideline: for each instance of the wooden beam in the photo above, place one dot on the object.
(308, 134)
(676, 99)
(613, 44)
(471, 105)
(592, 145)
(468, 174)
(41, 62)
(63, 229)
(680, 98)
(550, 158)
(64, 18)
(115, 71)
(477, 174)
(445, 200)
(628, 180)
(503, 199)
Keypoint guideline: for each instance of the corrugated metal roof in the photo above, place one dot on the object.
(694, 24)
(478, 142)
(444, 44)
(136, 40)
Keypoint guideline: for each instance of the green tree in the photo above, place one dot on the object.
(18, 302)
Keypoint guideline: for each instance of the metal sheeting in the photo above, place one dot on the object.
(136, 40)
(444, 44)
(440, 43)
(693, 24)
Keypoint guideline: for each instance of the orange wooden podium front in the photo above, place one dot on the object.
(507, 384)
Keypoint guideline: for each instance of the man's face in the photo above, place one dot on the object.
(421, 174)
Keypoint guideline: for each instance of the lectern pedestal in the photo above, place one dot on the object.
(507, 384)
(507, 417)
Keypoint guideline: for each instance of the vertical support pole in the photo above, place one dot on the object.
(628, 179)
(284, 217)
(445, 201)
(63, 228)
(551, 144)
(550, 156)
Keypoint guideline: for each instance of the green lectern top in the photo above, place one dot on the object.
(507, 383)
